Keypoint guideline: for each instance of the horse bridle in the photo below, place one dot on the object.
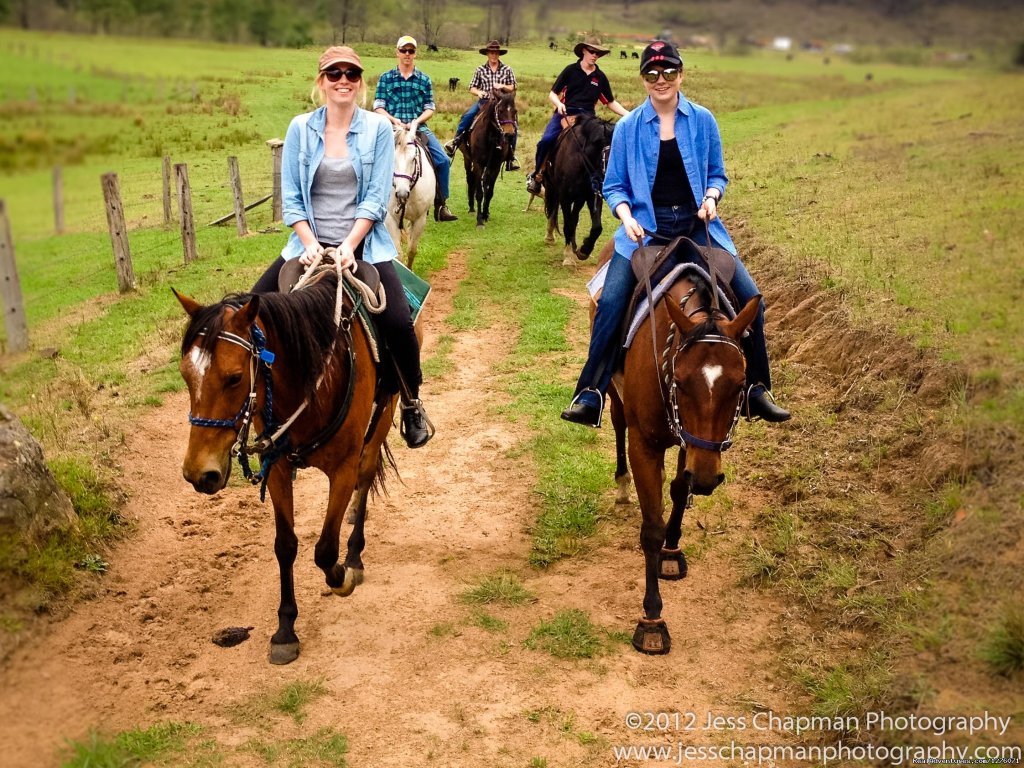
(274, 443)
(675, 418)
(596, 181)
(417, 173)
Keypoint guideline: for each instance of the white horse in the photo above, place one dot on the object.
(412, 193)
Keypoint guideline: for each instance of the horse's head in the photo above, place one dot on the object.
(505, 113)
(708, 378)
(408, 163)
(218, 372)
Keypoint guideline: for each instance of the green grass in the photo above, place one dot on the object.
(160, 744)
(326, 747)
(1003, 648)
(570, 634)
(292, 700)
(502, 587)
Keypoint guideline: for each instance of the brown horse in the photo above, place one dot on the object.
(573, 179)
(281, 364)
(688, 394)
(488, 146)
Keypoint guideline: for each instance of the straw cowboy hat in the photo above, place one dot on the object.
(594, 43)
(495, 46)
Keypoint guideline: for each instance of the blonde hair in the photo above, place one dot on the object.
(318, 94)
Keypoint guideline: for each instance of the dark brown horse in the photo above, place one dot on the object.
(573, 179)
(687, 395)
(280, 364)
(488, 146)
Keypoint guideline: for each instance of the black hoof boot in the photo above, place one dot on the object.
(672, 565)
(651, 637)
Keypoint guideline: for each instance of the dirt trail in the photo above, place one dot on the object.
(409, 679)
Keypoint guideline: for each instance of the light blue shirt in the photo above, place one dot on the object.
(371, 147)
(633, 163)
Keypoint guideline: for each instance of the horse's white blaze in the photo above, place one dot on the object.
(199, 364)
(711, 375)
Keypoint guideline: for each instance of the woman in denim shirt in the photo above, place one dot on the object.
(336, 175)
(665, 178)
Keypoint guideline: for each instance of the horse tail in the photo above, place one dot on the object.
(385, 463)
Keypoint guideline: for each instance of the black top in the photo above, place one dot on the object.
(671, 184)
(580, 92)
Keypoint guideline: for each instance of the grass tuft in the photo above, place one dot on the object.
(1003, 649)
(569, 634)
(502, 587)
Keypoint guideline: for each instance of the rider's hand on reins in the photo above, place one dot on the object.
(347, 254)
(310, 253)
(708, 210)
(633, 230)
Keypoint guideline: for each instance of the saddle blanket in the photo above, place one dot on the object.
(689, 270)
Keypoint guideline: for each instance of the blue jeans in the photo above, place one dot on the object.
(467, 121)
(618, 288)
(547, 140)
(442, 165)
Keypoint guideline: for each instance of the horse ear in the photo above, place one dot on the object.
(190, 305)
(735, 327)
(249, 311)
(684, 323)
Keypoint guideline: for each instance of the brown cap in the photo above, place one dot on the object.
(339, 54)
(594, 43)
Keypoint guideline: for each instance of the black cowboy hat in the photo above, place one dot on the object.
(593, 43)
(495, 46)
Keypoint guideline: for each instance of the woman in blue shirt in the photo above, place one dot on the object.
(336, 174)
(665, 175)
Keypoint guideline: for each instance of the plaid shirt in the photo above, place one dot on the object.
(485, 80)
(403, 99)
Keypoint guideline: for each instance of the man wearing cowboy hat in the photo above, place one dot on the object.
(493, 75)
(576, 91)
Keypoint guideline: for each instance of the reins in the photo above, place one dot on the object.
(274, 441)
(670, 403)
(417, 173)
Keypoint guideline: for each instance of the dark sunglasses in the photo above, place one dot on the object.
(407, 50)
(334, 74)
(651, 75)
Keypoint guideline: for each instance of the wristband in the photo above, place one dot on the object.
(711, 197)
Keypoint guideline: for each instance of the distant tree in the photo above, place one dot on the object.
(5, 9)
(261, 21)
(348, 15)
(225, 19)
(508, 12)
(1018, 59)
(107, 15)
(432, 16)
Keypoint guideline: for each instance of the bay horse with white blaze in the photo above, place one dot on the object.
(681, 385)
(487, 148)
(290, 366)
(412, 193)
(573, 179)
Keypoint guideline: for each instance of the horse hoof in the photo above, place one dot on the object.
(567, 262)
(480, 225)
(284, 653)
(582, 256)
(672, 565)
(651, 637)
(353, 578)
(549, 240)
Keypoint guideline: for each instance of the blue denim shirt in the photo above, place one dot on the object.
(371, 146)
(633, 163)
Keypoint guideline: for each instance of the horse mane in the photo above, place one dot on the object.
(302, 324)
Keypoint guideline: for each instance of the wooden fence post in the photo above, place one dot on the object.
(118, 232)
(236, 191)
(58, 200)
(276, 150)
(188, 228)
(167, 190)
(10, 288)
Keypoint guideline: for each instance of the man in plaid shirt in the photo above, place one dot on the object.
(494, 75)
(405, 96)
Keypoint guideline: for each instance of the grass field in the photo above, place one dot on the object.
(897, 199)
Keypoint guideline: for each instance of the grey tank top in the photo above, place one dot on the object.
(333, 196)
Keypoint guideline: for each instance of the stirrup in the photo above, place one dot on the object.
(416, 405)
(600, 408)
